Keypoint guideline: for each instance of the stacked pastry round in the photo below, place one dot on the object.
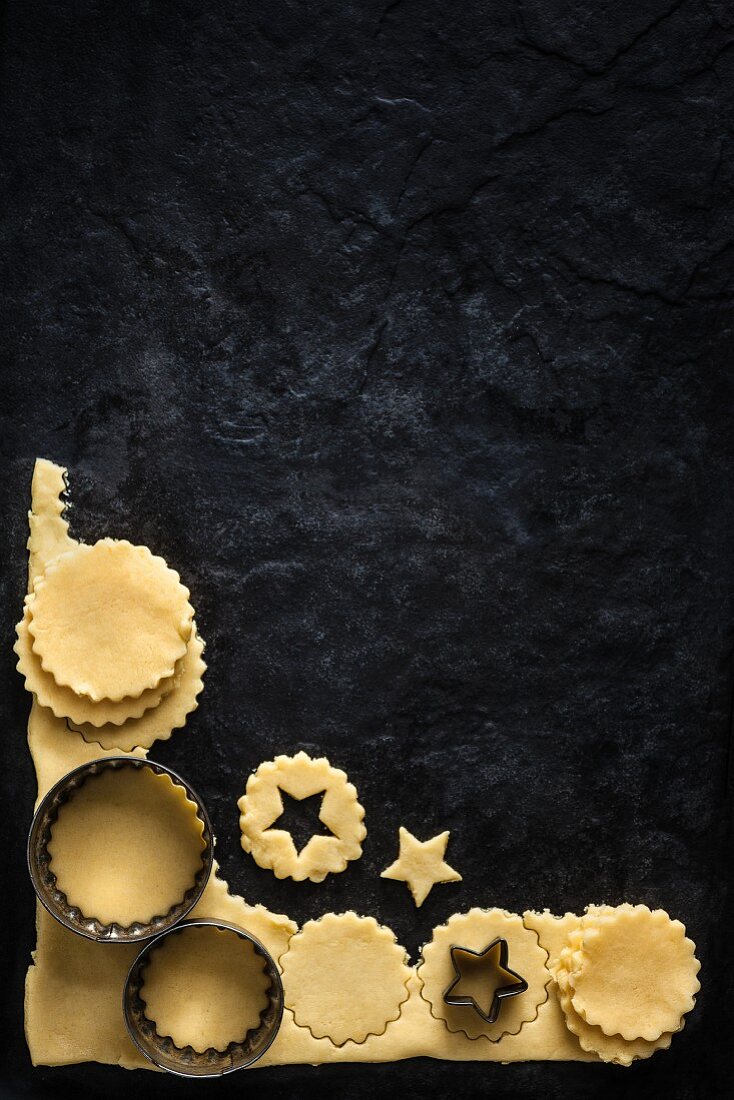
(626, 978)
(108, 642)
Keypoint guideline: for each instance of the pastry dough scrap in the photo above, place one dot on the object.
(475, 930)
(48, 534)
(345, 977)
(109, 621)
(205, 987)
(79, 708)
(171, 713)
(421, 864)
(301, 777)
(634, 973)
(126, 846)
(591, 1038)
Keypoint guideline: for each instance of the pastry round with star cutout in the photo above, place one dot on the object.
(345, 977)
(109, 621)
(633, 973)
(474, 932)
(301, 777)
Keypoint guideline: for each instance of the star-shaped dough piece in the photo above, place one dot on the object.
(421, 864)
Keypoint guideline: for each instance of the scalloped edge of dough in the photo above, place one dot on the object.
(177, 1040)
(593, 926)
(591, 1037)
(180, 705)
(460, 1030)
(79, 550)
(218, 899)
(255, 843)
(64, 703)
(410, 971)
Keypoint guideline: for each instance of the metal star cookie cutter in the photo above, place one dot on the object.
(519, 985)
(44, 880)
(185, 1061)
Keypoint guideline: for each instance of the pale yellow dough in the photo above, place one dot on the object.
(171, 713)
(634, 973)
(301, 777)
(591, 1038)
(48, 531)
(475, 930)
(126, 846)
(109, 621)
(345, 977)
(205, 987)
(421, 864)
(73, 989)
(65, 703)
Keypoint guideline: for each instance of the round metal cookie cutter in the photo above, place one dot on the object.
(44, 880)
(185, 1061)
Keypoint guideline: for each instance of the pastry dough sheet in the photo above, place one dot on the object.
(474, 930)
(171, 713)
(67, 704)
(345, 977)
(301, 777)
(634, 973)
(74, 987)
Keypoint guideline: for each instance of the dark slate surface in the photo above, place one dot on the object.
(403, 331)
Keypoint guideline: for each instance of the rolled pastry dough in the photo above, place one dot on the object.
(345, 977)
(171, 713)
(475, 930)
(634, 973)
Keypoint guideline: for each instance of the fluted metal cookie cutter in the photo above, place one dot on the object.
(44, 880)
(514, 984)
(185, 1061)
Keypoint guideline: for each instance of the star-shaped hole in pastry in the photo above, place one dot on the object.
(262, 806)
(483, 979)
(300, 817)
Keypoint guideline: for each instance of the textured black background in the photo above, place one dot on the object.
(404, 331)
